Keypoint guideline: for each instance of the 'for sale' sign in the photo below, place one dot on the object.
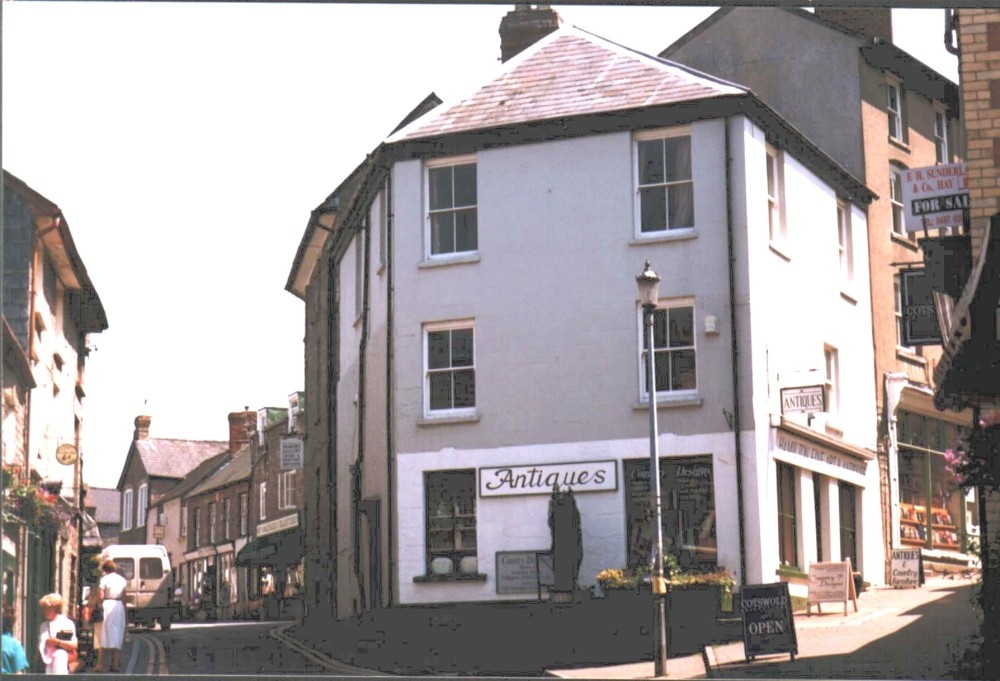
(934, 197)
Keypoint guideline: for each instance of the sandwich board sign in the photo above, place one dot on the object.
(905, 568)
(768, 626)
(831, 583)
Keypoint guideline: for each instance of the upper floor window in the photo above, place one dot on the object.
(665, 188)
(941, 137)
(212, 519)
(140, 515)
(127, 510)
(452, 213)
(844, 242)
(894, 109)
(226, 532)
(896, 198)
(286, 489)
(244, 513)
(832, 363)
(197, 526)
(673, 348)
(775, 194)
(897, 289)
(184, 521)
(449, 368)
(262, 494)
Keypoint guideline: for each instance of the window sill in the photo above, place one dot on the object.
(779, 249)
(448, 420)
(909, 356)
(899, 144)
(670, 402)
(849, 297)
(661, 237)
(906, 241)
(445, 261)
(433, 579)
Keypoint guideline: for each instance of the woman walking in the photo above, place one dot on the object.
(57, 641)
(113, 613)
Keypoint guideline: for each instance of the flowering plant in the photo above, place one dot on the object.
(30, 503)
(615, 579)
(969, 461)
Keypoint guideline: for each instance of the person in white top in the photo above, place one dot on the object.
(113, 607)
(57, 640)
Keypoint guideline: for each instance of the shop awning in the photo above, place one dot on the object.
(278, 549)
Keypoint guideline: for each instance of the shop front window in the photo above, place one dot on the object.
(849, 523)
(687, 510)
(788, 550)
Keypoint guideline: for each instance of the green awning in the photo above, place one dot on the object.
(274, 550)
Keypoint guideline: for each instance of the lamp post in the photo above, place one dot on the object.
(649, 291)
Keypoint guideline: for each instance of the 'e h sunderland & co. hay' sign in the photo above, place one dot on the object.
(831, 583)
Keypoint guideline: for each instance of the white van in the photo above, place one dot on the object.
(149, 595)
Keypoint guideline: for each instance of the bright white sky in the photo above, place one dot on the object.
(187, 144)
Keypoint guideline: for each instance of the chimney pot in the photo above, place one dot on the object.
(242, 425)
(142, 427)
(524, 26)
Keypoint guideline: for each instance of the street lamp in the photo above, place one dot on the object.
(649, 292)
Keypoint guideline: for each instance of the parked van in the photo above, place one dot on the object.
(149, 595)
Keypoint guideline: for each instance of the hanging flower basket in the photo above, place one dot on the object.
(31, 504)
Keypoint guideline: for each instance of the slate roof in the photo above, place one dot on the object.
(570, 72)
(168, 458)
(197, 476)
(107, 504)
(238, 468)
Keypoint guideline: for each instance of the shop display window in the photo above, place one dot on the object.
(450, 498)
(929, 502)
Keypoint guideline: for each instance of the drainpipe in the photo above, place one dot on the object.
(333, 376)
(735, 355)
(357, 472)
(390, 457)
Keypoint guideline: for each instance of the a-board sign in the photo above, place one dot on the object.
(831, 583)
(905, 568)
(521, 572)
(768, 625)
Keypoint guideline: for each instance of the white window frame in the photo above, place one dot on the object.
(213, 518)
(831, 372)
(845, 242)
(143, 504)
(896, 200)
(197, 526)
(262, 498)
(941, 136)
(775, 174)
(427, 371)
(226, 513)
(897, 299)
(184, 520)
(668, 304)
(451, 161)
(649, 136)
(244, 502)
(127, 510)
(286, 490)
(896, 120)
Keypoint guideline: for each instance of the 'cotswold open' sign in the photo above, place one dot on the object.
(581, 476)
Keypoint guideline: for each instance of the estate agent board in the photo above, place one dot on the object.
(768, 625)
(831, 583)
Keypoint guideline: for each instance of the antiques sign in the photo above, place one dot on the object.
(905, 568)
(831, 583)
(523, 572)
(920, 322)
(291, 453)
(582, 476)
(804, 400)
(934, 197)
(768, 626)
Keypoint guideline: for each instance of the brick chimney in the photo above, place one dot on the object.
(242, 425)
(874, 22)
(142, 427)
(524, 26)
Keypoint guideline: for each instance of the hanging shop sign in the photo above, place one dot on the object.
(920, 321)
(291, 453)
(905, 568)
(768, 625)
(934, 197)
(809, 399)
(831, 583)
(582, 476)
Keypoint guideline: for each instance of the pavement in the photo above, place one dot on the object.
(924, 633)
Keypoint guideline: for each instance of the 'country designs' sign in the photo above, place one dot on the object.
(580, 476)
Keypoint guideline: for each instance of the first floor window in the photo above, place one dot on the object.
(788, 550)
(941, 137)
(450, 503)
(665, 188)
(896, 198)
(844, 242)
(226, 532)
(197, 527)
(244, 513)
(184, 521)
(140, 516)
(127, 510)
(673, 349)
(897, 291)
(449, 368)
(286, 489)
(211, 522)
(832, 362)
(894, 109)
(452, 210)
(262, 493)
(775, 194)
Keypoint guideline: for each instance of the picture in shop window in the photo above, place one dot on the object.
(687, 509)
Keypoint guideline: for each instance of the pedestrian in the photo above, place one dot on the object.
(113, 613)
(14, 659)
(96, 623)
(57, 641)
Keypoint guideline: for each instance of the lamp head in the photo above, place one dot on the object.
(649, 286)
